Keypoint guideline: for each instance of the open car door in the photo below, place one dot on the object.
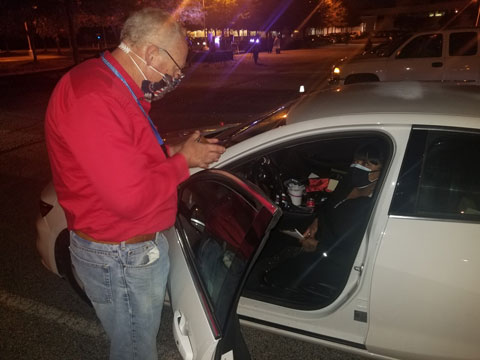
(221, 227)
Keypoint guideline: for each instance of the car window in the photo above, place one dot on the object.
(463, 44)
(286, 273)
(387, 48)
(422, 47)
(217, 225)
(438, 178)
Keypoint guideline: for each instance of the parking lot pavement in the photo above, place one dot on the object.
(18, 62)
(240, 90)
(22, 63)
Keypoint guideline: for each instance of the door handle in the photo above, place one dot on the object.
(437, 64)
(197, 224)
(180, 334)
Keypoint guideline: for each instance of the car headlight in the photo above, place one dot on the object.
(336, 70)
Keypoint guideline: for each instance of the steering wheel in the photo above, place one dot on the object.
(266, 175)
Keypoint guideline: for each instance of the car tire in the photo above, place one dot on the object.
(359, 78)
(64, 264)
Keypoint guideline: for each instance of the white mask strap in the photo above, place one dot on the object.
(138, 67)
(126, 49)
(361, 167)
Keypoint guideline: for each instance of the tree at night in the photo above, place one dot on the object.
(296, 14)
(10, 24)
(51, 25)
(55, 19)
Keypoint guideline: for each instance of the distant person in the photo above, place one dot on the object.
(212, 46)
(117, 181)
(256, 50)
(190, 51)
(368, 45)
(276, 45)
(269, 43)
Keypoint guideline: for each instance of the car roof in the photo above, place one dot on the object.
(419, 98)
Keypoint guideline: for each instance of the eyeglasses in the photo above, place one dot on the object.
(171, 57)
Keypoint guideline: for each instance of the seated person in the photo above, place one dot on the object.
(330, 243)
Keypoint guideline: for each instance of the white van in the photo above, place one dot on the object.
(444, 55)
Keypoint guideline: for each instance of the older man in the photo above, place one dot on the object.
(117, 180)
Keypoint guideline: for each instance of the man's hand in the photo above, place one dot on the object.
(311, 230)
(200, 153)
(309, 244)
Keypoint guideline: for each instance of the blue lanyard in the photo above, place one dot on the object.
(154, 129)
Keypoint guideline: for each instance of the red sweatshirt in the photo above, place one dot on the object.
(110, 173)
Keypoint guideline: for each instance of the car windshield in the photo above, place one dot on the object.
(271, 120)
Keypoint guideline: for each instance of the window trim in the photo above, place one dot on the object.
(423, 218)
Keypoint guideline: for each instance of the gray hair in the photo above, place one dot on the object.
(151, 25)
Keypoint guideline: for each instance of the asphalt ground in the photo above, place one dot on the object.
(240, 90)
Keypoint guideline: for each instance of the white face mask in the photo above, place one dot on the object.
(152, 91)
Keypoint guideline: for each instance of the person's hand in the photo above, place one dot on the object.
(309, 244)
(311, 230)
(200, 153)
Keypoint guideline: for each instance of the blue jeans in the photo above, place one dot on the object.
(126, 285)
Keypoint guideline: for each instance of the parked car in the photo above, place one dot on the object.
(407, 288)
(443, 56)
(378, 37)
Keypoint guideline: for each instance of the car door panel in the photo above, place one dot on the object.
(422, 58)
(462, 70)
(424, 302)
(220, 228)
(415, 69)
(425, 294)
(462, 63)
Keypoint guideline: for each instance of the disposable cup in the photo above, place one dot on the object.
(295, 192)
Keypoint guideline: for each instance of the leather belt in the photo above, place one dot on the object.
(132, 240)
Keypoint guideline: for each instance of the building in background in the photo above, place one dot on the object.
(409, 15)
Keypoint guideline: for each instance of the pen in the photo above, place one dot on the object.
(299, 234)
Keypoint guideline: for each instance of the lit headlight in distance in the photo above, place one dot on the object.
(336, 70)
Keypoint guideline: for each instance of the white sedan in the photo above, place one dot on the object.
(405, 287)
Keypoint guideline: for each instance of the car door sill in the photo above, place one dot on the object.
(303, 332)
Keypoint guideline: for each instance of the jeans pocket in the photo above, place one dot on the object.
(95, 277)
(144, 255)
